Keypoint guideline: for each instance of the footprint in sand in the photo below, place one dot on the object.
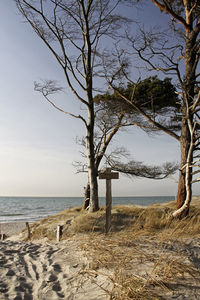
(3, 287)
(31, 271)
(10, 273)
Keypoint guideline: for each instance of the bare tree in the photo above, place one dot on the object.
(176, 54)
(111, 117)
(105, 131)
(73, 31)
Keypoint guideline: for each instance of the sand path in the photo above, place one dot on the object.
(32, 271)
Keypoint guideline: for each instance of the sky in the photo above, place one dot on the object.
(38, 143)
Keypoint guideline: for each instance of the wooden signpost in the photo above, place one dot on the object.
(108, 175)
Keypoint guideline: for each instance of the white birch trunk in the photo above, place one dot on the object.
(188, 171)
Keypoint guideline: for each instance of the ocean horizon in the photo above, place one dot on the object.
(30, 209)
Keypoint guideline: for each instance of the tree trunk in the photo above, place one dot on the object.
(188, 97)
(94, 202)
(184, 141)
(86, 201)
(185, 145)
(92, 172)
(184, 209)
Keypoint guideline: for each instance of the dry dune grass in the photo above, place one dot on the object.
(136, 221)
(145, 256)
(46, 228)
(130, 220)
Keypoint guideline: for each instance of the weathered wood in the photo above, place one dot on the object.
(28, 230)
(59, 232)
(108, 205)
(113, 175)
(2, 235)
(108, 175)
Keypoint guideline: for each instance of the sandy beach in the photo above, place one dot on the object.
(12, 228)
(94, 266)
(45, 270)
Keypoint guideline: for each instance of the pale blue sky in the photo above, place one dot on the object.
(37, 143)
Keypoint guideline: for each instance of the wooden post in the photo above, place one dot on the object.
(108, 175)
(59, 232)
(28, 231)
(2, 235)
(108, 204)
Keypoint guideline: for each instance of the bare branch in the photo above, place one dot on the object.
(48, 88)
(168, 10)
(134, 168)
(196, 180)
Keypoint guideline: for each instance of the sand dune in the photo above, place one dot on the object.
(47, 270)
(51, 271)
(32, 271)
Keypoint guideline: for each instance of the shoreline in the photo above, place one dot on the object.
(12, 228)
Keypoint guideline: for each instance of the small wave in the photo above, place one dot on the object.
(33, 208)
(10, 215)
(40, 208)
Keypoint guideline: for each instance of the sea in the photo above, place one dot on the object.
(30, 209)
